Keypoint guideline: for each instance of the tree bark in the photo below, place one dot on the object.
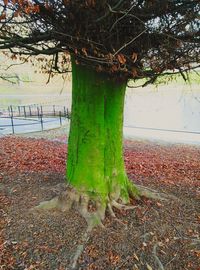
(95, 164)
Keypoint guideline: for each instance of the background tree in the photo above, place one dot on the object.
(109, 42)
(13, 79)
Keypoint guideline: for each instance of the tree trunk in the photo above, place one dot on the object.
(95, 165)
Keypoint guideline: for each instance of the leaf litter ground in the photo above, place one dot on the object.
(156, 235)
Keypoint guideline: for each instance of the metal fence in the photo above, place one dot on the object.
(21, 119)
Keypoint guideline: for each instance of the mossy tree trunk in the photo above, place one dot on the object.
(95, 164)
(95, 167)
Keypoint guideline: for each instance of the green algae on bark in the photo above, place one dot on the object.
(95, 163)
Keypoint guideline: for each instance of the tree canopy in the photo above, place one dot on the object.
(132, 39)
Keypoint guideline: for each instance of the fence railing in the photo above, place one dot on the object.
(32, 118)
(35, 110)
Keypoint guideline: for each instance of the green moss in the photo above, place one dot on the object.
(95, 160)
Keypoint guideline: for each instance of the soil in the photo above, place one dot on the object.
(158, 235)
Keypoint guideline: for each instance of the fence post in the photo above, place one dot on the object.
(30, 110)
(24, 111)
(11, 110)
(19, 110)
(65, 114)
(41, 121)
(41, 109)
(60, 116)
(12, 123)
(38, 112)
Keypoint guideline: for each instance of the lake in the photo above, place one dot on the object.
(169, 113)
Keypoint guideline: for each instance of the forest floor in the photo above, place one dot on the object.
(156, 235)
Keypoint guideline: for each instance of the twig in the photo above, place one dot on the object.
(124, 15)
(80, 248)
(128, 43)
(171, 260)
(159, 263)
(108, 12)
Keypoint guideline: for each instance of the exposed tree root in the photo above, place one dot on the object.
(120, 206)
(71, 198)
(158, 262)
(153, 194)
(82, 202)
(93, 210)
(80, 249)
(111, 212)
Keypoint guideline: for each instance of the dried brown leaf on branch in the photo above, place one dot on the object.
(121, 58)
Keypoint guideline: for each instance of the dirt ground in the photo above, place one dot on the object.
(158, 235)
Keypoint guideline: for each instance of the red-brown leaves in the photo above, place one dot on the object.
(22, 6)
(3, 16)
(32, 9)
(134, 57)
(5, 2)
(169, 165)
(121, 58)
(21, 155)
(90, 3)
(84, 51)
